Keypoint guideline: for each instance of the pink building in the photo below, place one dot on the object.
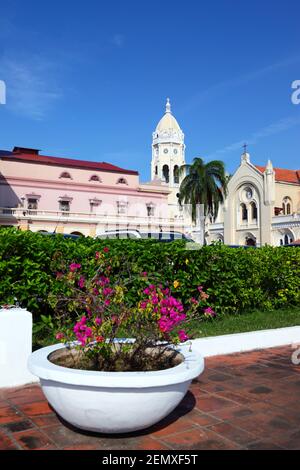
(39, 192)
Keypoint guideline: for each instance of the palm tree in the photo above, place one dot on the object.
(204, 183)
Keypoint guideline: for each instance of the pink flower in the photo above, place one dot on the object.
(209, 312)
(194, 301)
(100, 339)
(81, 282)
(107, 302)
(105, 249)
(107, 290)
(144, 274)
(74, 267)
(203, 296)
(59, 275)
(59, 336)
(98, 321)
(182, 336)
(143, 304)
(103, 281)
(97, 254)
(200, 288)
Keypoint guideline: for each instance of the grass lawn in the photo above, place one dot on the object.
(222, 325)
(248, 321)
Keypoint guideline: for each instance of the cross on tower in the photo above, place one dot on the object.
(245, 147)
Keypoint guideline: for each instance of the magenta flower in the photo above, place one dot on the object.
(154, 300)
(105, 249)
(98, 321)
(107, 291)
(103, 281)
(74, 267)
(81, 282)
(182, 336)
(59, 336)
(145, 274)
(209, 312)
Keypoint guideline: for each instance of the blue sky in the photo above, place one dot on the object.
(89, 79)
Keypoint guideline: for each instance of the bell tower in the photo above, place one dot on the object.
(168, 151)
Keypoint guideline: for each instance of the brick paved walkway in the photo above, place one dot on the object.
(242, 401)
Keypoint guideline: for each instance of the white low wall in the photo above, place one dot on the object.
(16, 344)
(15, 347)
(239, 342)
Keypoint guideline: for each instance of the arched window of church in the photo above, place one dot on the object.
(287, 206)
(166, 173)
(156, 170)
(176, 174)
(244, 212)
(286, 240)
(253, 211)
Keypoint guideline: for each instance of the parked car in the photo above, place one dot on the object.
(165, 236)
(119, 234)
(64, 235)
(137, 235)
(242, 246)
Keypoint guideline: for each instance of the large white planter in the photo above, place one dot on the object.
(114, 402)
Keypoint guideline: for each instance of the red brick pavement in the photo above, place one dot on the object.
(241, 401)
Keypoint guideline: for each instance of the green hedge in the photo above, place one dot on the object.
(236, 279)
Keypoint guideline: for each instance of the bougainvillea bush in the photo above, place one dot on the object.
(96, 312)
(237, 280)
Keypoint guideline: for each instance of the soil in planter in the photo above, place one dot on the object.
(151, 359)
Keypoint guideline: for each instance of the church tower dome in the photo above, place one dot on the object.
(168, 149)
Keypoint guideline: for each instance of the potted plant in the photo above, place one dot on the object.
(124, 363)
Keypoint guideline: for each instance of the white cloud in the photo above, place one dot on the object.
(222, 87)
(271, 129)
(30, 84)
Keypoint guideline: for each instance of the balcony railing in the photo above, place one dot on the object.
(285, 219)
(84, 217)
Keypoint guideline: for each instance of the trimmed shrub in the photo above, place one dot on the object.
(236, 279)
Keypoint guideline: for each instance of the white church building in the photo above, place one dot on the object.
(263, 202)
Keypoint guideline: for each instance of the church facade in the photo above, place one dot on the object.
(262, 207)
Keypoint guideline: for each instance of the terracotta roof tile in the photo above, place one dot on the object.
(69, 162)
(281, 174)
